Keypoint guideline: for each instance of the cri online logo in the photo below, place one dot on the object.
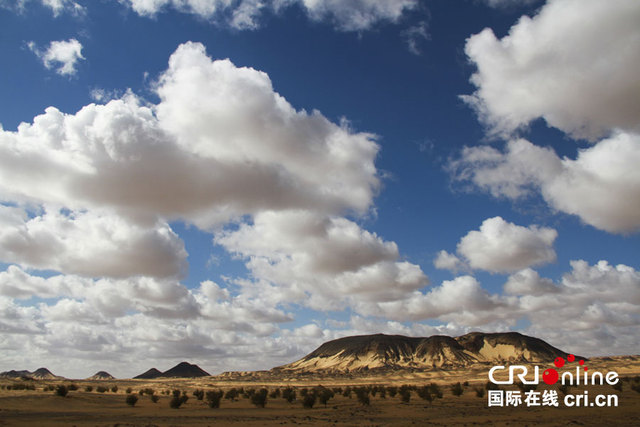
(551, 375)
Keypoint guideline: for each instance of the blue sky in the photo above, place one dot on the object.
(234, 184)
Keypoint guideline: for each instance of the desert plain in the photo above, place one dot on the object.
(43, 407)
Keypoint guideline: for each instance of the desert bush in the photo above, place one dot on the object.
(62, 391)
(405, 394)
(425, 393)
(289, 394)
(155, 398)
(72, 387)
(231, 394)
(324, 395)
(275, 393)
(617, 386)
(363, 396)
(309, 400)
(175, 402)
(456, 389)
(337, 390)
(17, 386)
(199, 394)
(131, 399)
(392, 391)
(347, 392)
(304, 392)
(466, 383)
(101, 389)
(148, 391)
(383, 393)
(259, 398)
(479, 391)
(564, 389)
(49, 388)
(114, 389)
(435, 390)
(213, 398)
(88, 388)
(129, 390)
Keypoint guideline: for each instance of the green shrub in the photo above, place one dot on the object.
(309, 400)
(259, 398)
(289, 394)
(231, 394)
(324, 395)
(456, 389)
(175, 402)
(131, 399)
(61, 390)
(213, 398)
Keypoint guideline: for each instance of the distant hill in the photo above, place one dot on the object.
(101, 375)
(185, 370)
(149, 375)
(181, 370)
(38, 374)
(381, 351)
(43, 374)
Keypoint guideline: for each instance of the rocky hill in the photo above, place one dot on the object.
(101, 375)
(38, 374)
(381, 351)
(181, 370)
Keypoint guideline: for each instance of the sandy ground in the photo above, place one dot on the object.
(82, 408)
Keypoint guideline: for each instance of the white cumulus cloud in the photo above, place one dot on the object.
(501, 247)
(573, 64)
(601, 185)
(61, 55)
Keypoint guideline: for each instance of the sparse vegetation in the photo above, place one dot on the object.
(62, 390)
(18, 386)
(309, 400)
(259, 398)
(101, 389)
(456, 389)
(88, 388)
(289, 394)
(425, 393)
(392, 391)
(114, 389)
(436, 390)
(213, 398)
(131, 399)
(479, 391)
(231, 394)
(405, 393)
(129, 390)
(199, 394)
(72, 387)
(155, 398)
(324, 395)
(363, 396)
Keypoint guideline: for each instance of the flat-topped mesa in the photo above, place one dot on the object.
(381, 351)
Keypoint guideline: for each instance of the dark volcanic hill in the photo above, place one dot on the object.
(149, 375)
(438, 351)
(184, 370)
(101, 375)
(38, 374)
(43, 374)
